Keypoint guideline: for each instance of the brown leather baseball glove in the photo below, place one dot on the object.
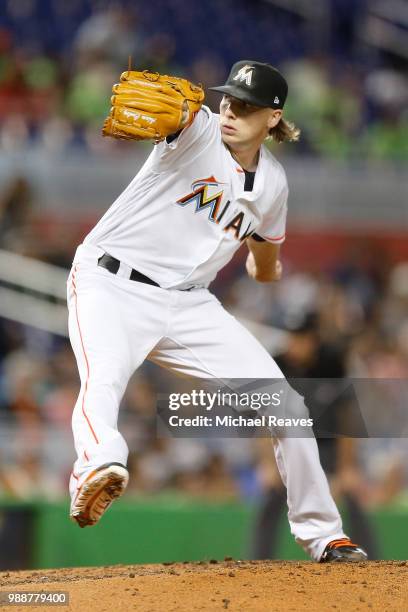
(147, 105)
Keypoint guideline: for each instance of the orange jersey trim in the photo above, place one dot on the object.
(275, 239)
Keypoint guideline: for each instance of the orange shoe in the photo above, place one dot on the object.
(97, 492)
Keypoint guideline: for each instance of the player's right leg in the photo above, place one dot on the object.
(113, 323)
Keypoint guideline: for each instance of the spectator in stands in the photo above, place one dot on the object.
(16, 210)
(110, 34)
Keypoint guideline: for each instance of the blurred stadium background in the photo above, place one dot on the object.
(341, 309)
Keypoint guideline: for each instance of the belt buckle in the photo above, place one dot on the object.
(124, 271)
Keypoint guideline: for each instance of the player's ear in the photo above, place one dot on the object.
(274, 117)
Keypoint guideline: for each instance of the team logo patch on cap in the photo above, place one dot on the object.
(244, 74)
(276, 100)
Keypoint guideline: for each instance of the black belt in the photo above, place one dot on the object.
(112, 264)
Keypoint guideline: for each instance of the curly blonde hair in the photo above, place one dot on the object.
(285, 131)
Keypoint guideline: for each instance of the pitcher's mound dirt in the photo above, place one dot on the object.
(237, 586)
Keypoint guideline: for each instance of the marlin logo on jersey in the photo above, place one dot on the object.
(206, 195)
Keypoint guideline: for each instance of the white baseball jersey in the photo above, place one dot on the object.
(185, 213)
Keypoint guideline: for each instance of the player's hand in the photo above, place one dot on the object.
(252, 270)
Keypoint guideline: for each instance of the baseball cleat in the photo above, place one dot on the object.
(343, 551)
(97, 492)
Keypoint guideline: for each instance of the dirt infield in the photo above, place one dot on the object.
(256, 586)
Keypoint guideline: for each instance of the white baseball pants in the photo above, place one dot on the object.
(116, 323)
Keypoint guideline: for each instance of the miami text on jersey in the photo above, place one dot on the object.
(205, 195)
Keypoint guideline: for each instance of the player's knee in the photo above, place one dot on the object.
(109, 381)
(290, 417)
(294, 405)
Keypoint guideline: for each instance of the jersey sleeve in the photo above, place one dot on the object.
(183, 147)
(273, 226)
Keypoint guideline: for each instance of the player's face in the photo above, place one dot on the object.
(243, 124)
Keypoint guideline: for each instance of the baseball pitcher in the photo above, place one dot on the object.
(138, 288)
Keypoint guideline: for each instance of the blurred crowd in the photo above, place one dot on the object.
(58, 61)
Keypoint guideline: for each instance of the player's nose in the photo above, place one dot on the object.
(229, 112)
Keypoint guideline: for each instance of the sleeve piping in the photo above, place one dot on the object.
(276, 239)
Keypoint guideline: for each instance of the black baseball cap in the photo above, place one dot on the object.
(255, 83)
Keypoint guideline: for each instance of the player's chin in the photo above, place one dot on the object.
(230, 137)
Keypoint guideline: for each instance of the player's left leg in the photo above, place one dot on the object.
(113, 324)
(204, 340)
